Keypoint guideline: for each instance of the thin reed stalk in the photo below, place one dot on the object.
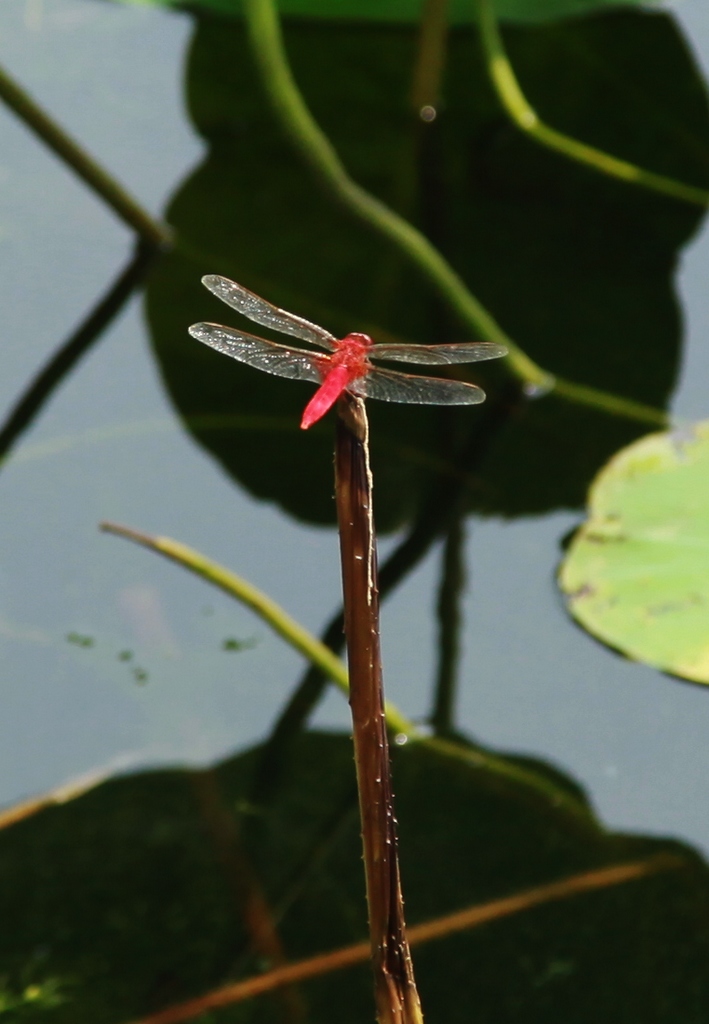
(394, 986)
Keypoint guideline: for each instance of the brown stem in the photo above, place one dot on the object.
(395, 990)
(439, 507)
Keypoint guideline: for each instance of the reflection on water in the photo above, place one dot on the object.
(529, 680)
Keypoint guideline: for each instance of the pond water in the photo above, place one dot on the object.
(113, 659)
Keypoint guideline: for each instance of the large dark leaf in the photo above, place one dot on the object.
(129, 898)
(576, 267)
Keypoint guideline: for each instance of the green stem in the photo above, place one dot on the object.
(580, 394)
(85, 166)
(526, 118)
(271, 613)
(332, 667)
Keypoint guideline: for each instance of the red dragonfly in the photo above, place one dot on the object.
(346, 366)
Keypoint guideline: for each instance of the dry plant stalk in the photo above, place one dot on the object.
(395, 989)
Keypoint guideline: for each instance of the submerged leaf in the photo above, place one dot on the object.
(134, 897)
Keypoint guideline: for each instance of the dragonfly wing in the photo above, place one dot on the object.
(390, 386)
(439, 355)
(268, 356)
(261, 312)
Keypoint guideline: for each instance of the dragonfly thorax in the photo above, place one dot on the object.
(357, 340)
(355, 345)
(352, 352)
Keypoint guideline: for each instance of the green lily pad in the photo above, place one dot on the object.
(636, 575)
(461, 11)
(576, 267)
(133, 897)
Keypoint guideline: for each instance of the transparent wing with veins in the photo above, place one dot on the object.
(300, 364)
(269, 356)
(391, 386)
(439, 355)
(261, 312)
